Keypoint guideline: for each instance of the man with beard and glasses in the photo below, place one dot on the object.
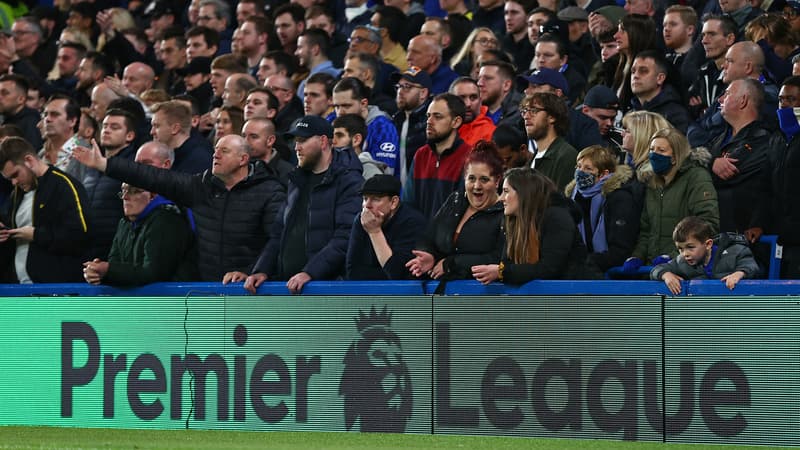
(309, 239)
(436, 170)
(546, 121)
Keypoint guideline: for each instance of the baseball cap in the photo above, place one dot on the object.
(199, 64)
(308, 126)
(601, 97)
(614, 14)
(159, 9)
(381, 184)
(794, 5)
(545, 76)
(415, 75)
(573, 13)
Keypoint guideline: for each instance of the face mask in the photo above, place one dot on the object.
(787, 118)
(660, 163)
(584, 179)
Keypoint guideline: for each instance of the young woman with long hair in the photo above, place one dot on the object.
(542, 239)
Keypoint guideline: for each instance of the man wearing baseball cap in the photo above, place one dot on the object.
(311, 233)
(383, 234)
(583, 131)
(413, 97)
(601, 104)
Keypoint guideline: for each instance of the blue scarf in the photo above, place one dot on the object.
(596, 217)
(155, 203)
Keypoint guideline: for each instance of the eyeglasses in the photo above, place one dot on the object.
(789, 13)
(21, 32)
(406, 87)
(531, 110)
(129, 191)
(358, 39)
(277, 88)
(486, 41)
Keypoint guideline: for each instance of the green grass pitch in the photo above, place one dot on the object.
(93, 438)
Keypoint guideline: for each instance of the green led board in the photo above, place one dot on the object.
(733, 370)
(547, 366)
(259, 363)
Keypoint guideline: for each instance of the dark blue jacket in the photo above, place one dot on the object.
(193, 156)
(104, 206)
(401, 232)
(331, 208)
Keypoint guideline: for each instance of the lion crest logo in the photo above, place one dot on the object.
(375, 383)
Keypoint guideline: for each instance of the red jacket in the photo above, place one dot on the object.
(480, 128)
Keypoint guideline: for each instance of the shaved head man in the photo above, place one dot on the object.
(138, 77)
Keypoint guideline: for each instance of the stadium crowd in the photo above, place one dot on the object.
(398, 139)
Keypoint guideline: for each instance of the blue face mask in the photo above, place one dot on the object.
(788, 122)
(583, 179)
(661, 164)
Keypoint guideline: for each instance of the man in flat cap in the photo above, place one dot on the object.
(383, 234)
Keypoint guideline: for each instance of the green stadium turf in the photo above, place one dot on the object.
(93, 438)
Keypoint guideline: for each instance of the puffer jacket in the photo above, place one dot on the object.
(332, 206)
(105, 206)
(232, 225)
(731, 254)
(480, 241)
(668, 103)
(690, 193)
(622, 209)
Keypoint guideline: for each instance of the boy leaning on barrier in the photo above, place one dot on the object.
(700, 255)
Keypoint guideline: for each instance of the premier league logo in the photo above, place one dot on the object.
(376, 384)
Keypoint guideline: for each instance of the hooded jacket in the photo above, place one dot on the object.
(731, 254)
(667, 103)
(690, 193)
(232, 225)
(622, 207)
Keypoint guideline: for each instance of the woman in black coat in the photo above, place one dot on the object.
(543, 241)
(468, 228)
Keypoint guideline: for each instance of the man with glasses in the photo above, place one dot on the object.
(216, 14)
(290, 107)
(791, 12)
(413, 97)
(367, 39)
(152, 242)
(31, 45)
(546, 121)
(234, 203)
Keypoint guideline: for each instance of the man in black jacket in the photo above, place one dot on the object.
(48, 246)
(383, 234)
(13, 94)
(234, 204)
